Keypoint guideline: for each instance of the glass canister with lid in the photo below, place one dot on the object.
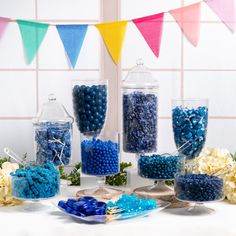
(140, 110)
(53, 133)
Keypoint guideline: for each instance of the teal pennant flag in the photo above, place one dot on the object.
(72, 37)
(32, 34)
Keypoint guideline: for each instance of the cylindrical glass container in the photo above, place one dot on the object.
(90, 105)
(189, 120)
(140, 110)
(53, 133)
(198, 188)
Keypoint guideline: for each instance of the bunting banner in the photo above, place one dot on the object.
(72, 37)
(225, 10)
(32, 34)
(3, 24)
(188, 18)
(151, 29)
(113, 34)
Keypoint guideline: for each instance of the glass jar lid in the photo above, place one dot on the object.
(140, 77)
(53, 111)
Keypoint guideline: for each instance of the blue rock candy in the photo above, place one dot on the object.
(99, 157)
(198, 187)
(159, 166)
(36, 182)
(190, 125)
(53, 142)
(139, 122)
(90, 106)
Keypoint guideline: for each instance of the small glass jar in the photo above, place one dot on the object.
(53, 133)
(189, 120)
(90, 105)
(140, 110)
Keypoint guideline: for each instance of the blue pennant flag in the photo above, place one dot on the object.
(72, 37)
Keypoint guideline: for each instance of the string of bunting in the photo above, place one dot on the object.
(113, 33)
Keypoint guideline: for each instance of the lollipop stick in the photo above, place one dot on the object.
(14, 156)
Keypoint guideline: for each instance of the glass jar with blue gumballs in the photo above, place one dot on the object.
(189, 121)
(100, 157)
(140, 110)
(90, 105)
(53, 133)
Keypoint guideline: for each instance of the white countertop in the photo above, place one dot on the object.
(16, 221)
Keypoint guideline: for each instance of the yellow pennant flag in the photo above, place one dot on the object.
(113, 34)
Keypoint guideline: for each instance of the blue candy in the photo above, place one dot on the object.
(99, 157)
(36, 182)
(139, 122)
(159, 166)
(190, 125)
(199, 187)
(90, 106)
(53, 143)
(84, 206)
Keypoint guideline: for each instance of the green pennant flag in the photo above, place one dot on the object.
(32, 34)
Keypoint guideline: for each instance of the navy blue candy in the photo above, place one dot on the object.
(198, 187)
(99, 157)
(53, 143)
(190, 125)
(83, 207)
(90, 106)
(159, 166)
(36, 182)
(139, 122)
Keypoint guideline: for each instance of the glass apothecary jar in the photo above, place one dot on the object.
(140, 110)
(53, 133)
(90, 105)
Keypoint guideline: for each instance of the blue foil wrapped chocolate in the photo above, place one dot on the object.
(36, 182)
(53, 143)
(190, 126)
(90, 107)
(160, 167)
(199, 187)
(140, 122)
(99, 157)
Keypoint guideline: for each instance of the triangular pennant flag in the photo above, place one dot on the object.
(72, 37)
(151, 29)
(225, 10)
(113, 34)
(188, 18)
(32, 34)
(3, 25)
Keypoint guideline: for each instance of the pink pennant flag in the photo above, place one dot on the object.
(3, 24)
(225, 10)
(188, 18)
(151, 29)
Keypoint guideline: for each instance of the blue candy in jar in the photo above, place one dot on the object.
(161, 167)
(140, 122)
(53, 143)
(90, 106)
(99, 157)
(199, 187)
(190, 128)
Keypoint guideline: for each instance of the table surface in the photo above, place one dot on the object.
(48, 220)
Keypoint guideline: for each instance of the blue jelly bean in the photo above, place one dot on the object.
(199, 187)
(159, 166)
(190, 125)
(140, 122)
(99, 157)
(89, 102)
(53, 143)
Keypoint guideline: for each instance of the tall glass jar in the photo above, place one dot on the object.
(53, 133)
(140, 110)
